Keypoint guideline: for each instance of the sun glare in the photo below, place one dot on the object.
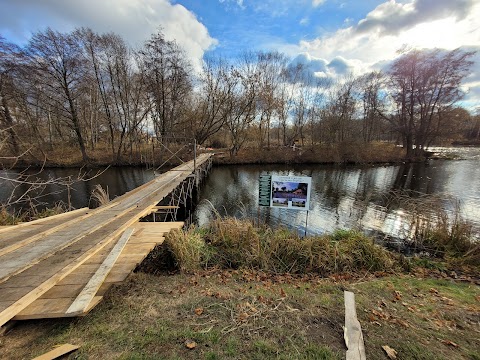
(441, 34)
(448, 33)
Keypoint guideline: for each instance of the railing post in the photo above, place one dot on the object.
(194, 156)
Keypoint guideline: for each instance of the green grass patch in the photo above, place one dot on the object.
(247, 314)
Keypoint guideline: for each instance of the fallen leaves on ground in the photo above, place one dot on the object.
(190, 344)
(391, 353)
(199, 311)
(450, 343)
(379, 314)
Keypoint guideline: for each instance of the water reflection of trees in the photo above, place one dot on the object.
(341, 197)
(77, 193)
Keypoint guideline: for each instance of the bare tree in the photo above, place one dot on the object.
(270, 68)
(120, 87)
(212, 103)
(10, 55)
(339, 111)
(290, 80)
(372, 95)
(57, 68)
(423, 84)
(167, 76)
(243, 106)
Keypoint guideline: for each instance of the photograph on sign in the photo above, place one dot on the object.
(291, 192)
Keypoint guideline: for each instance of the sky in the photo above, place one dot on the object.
(330, 37)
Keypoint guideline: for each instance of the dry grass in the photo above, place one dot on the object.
(100, 195)
(252, 315)
(7, 217)
(232, 243)
(433, 229)
(188, 248)
(342, 153)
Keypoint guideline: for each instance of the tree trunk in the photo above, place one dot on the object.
(8, 119)
(76, 127)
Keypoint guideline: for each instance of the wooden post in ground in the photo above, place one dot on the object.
(352, 330)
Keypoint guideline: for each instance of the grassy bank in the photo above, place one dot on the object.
(342, 153)
(241, 314)
(233, 290)
(237, 244)
(9, 218)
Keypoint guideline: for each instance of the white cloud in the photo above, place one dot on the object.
(316, 3)
(392, 17)
(239, 3)
(134, 20)
(375, 40)
(314, 67)
(304, 21)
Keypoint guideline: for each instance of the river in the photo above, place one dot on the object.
(343, 197)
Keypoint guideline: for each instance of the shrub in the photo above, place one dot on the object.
(233, 243)
(187, 248)
(434, 229)
(6, 218)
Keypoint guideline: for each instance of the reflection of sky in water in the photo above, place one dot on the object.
(345, 197)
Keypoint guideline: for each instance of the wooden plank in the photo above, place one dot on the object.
(57, 352)
(143, 248)
(352, 331)
(25, 262)
(127, 210)
(61, 291)
(89, 291)
(42, 220)
(10, 311)
(48, 309)
(147, 240)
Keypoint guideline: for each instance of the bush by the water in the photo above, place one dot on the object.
(233, 243)
(9, 217)
(433, 229)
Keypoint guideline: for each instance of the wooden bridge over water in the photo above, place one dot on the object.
(62, 266)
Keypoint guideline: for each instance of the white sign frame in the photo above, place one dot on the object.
(291, 192)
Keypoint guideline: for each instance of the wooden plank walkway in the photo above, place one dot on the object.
(45, 264)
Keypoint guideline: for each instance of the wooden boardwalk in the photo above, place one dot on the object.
(61, 266)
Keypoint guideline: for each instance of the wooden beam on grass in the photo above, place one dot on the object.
(352, 330)
(57, 352)
(82, 301)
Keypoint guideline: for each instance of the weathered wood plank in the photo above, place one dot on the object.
(89, 291)
(88, 249)
(15, 263)
(7, 247)
(57, 352)
(43, 220)
(352, 330)
(48, 309)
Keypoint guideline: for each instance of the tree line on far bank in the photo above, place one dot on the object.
(92, 91)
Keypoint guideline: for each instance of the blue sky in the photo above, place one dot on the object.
(331, 37)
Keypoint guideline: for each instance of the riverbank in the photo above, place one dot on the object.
(342, 153)
(235, 290)
(241, 314)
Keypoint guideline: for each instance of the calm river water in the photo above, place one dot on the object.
(342, 197)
